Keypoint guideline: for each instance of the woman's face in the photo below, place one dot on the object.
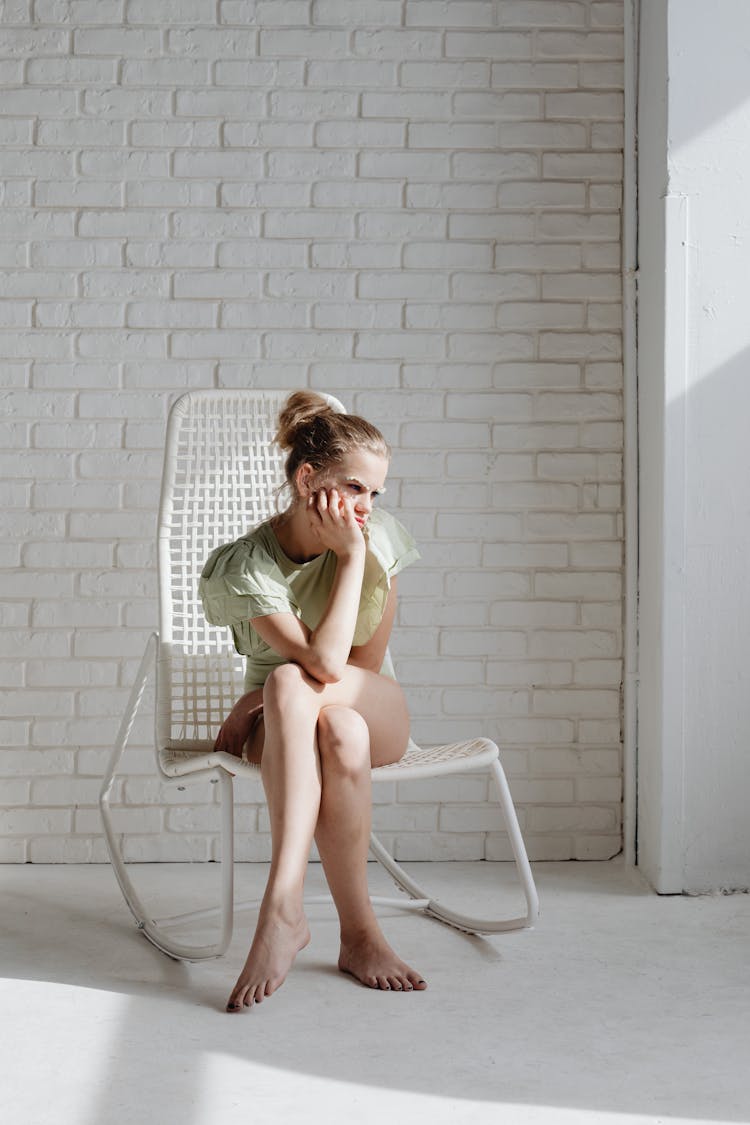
(360, 476)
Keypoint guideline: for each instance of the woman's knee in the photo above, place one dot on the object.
(343, 740)
(283, 685)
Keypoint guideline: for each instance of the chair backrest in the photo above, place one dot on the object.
(221, 472)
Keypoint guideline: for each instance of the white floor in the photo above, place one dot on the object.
(620, 1006)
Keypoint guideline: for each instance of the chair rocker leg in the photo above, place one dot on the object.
(156, 929)
(457, 919)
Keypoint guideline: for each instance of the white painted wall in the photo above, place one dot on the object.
(694, 766)
(415, 205)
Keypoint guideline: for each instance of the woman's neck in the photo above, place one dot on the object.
(292, 530)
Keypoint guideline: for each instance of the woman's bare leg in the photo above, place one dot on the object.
(343, 836)
(238, 724)
(291, 778)
(293, 705)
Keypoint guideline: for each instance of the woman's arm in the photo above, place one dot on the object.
(371, 654)
(323, 652)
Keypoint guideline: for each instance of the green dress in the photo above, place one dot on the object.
(252, 577)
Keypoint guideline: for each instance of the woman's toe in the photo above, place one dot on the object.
(383, 984)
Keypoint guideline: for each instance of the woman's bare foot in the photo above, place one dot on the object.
(275, 945)
(370, 959)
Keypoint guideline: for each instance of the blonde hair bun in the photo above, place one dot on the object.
(312, 432)
(298, 412)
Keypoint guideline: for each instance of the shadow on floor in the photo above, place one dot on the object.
(619, 1002)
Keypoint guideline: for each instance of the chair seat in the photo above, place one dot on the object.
(455, 757)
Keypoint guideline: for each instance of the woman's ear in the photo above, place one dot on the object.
(304, 478)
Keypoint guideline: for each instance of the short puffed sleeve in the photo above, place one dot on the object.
(241, 580)
(390, 548)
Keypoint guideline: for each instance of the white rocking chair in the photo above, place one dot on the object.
(220, 470)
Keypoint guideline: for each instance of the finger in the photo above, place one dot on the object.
(322, 500)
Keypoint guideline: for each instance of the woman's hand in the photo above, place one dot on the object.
(333, 521)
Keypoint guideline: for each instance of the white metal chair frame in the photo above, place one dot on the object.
(220, 469)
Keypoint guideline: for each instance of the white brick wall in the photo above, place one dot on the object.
(412, 204)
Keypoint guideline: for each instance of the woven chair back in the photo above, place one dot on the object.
(222, 472)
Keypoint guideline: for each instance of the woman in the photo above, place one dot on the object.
(311, 598)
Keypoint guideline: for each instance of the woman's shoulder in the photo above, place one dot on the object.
(241, 580)
(250, 552)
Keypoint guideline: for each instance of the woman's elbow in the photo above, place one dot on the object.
(330, 673)
(323, 670)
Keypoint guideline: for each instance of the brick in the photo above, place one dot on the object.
(397, 43)
(598, 790)
(609, 135)
(584, 104)
(309, 224)
(310, 43)
(395, 284)
(447, 13)
(443, 75)
(602, 435)
(604, 316)
(470, 818)
(488, 44)
(495, 166)
(598, 731)
(482, 197)
(573, 644)
(579, 45)
(544, 314)
(119, 42)
(312, 104)
(576, 760)
(356, 12)
(465, 701)
(383, 345)
(534, 256)
(21, 822)
(404, 165)
(520, 437)
(170, 12)
(281, 345)
(503, 109)
(608, 74)
(599, 345)
(549, 673)
(532, 613)
(442, 613)
(566, 404)
(12, 732)
(582, 818)
(468, 642)
(582, 166)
